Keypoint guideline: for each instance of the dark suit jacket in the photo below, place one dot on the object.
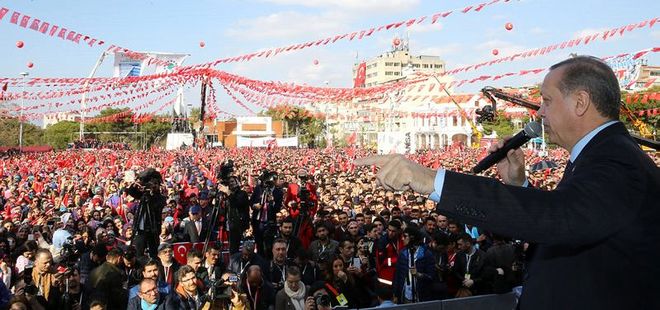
(191, 234)
(597, 232)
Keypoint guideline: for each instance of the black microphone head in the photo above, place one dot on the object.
(533, 129)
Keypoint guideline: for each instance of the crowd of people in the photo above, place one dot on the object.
(282, 229)
(98, 144)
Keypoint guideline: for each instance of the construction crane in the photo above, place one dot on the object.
(487, 114)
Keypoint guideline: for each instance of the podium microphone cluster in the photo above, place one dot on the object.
(531, 130)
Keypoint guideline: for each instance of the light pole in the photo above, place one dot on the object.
(20, 126)
(327, 125)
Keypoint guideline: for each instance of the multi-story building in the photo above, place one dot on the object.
(649, 76)
(391, 66)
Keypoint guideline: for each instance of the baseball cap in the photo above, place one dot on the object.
(195, 209)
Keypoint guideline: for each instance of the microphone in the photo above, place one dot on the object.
(531, 130)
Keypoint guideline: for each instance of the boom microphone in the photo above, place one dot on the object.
(531, 130)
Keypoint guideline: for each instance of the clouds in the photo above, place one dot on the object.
(289, 25)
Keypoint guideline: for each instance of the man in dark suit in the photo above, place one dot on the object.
(595, 236)
(195, 230)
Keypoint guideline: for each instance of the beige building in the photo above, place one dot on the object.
(649, 76)
(392, 65)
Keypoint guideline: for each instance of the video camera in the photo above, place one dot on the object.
(268, 179)
(225, 172)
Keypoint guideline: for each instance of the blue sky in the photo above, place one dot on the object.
(232, 27)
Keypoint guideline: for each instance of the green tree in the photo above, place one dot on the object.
(156, 132)
(60, 134)
(32, 135)
(501, 125)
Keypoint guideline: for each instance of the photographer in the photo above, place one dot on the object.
(319, 298)
(147, 221)
(266, 201)
(41, 281)
(236, 211)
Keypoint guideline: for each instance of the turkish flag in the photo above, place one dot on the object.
(361, 75)
(181, 250)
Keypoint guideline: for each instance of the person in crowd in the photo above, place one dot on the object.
(90, 260)
(107, 282)
(150, 271)
(240, 261)
(294, 292)
(188, 294)
(261, 295)
(146, 226)
(148, 296)
(323, 246)
(278, 265)
(237, 212)
(309, 270)
(387, 253)
(415, 269)
(167, 266)
(469, 267)
(213, 267)
(196, 229)
(286, 233)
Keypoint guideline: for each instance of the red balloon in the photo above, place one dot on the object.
(495, 52)
(396, 41)
(202, 44)
(30, 64)
(508, 26)
(19, 44)
(316, 62)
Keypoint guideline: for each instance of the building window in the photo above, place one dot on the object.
(655, 73)
(389, 73)
(397, 73)
(438, 66)
(396, 64)
(426, 66)
(415, 65)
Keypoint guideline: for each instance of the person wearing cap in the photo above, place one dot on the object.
(168, 265)
(106, 282)
(196, 229)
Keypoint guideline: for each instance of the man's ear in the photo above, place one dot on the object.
(582, 102)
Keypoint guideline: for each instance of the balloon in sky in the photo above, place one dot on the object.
(202, 44)
(508, 26)
(316, 61)
(30, 64)
(19, 44)
(495, 52)
(396, 41)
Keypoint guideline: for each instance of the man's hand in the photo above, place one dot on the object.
(310, 304)
(468, 283)
(398, 173)
(223, 189)
(512, 167)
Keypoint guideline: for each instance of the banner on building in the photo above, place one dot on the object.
(360, 75)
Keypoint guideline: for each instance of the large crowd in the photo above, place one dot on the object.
(279, 229)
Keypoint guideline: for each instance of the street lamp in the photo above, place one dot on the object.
(20, 126)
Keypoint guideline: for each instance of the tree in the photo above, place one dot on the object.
(501, 125)
(298, 120)
(32, 135)
(60, 134)
(155, 131)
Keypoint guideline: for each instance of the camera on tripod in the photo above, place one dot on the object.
(226, 171)
(268, 179)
